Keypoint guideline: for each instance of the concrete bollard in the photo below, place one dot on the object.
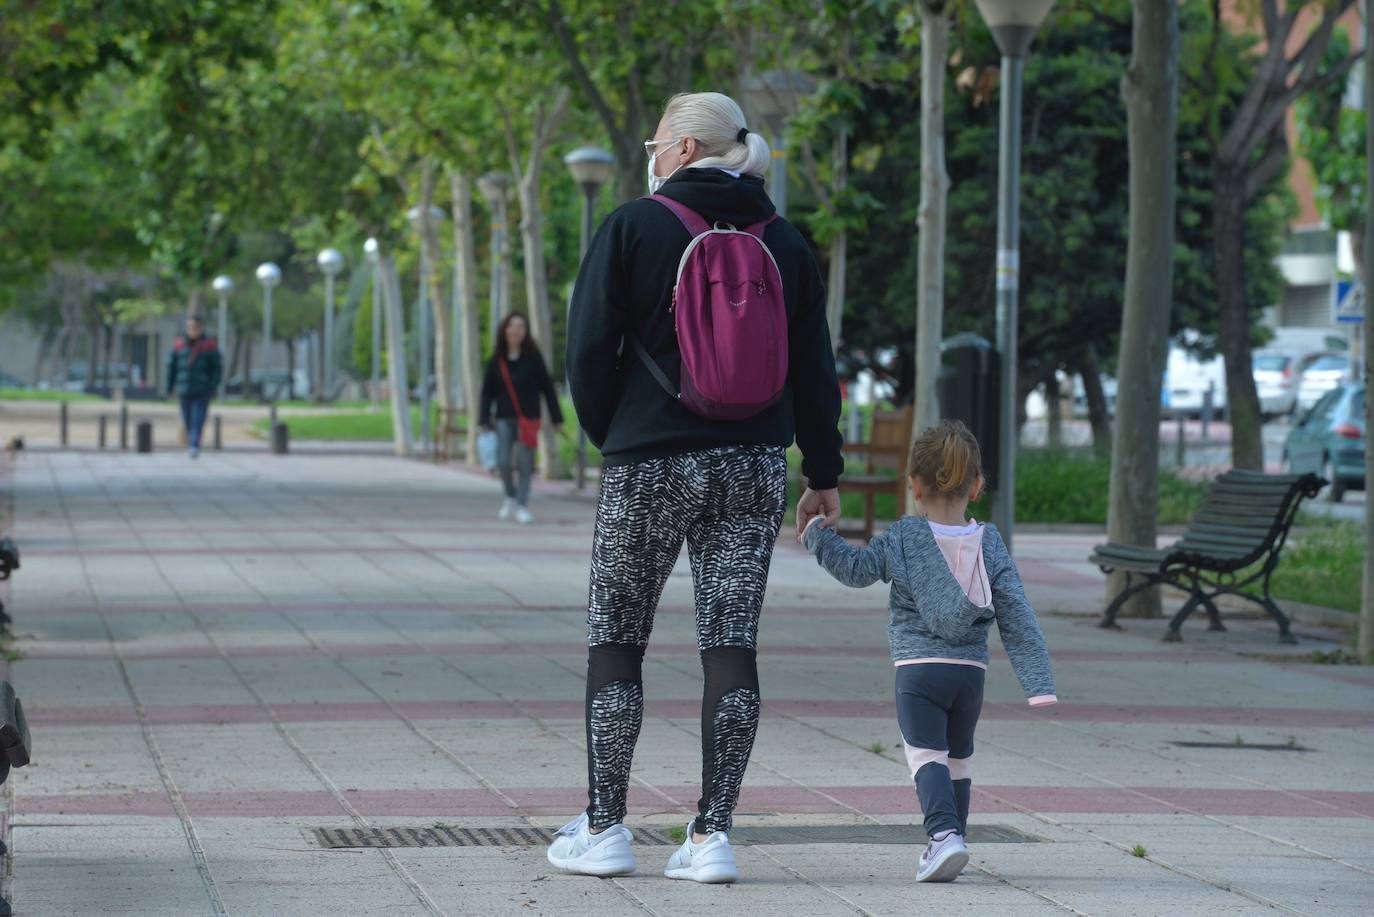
(143, 434)
(100, 430)
(281, 439)
(124, 427)
(63, 410)
(219, 433)
(1181, 445)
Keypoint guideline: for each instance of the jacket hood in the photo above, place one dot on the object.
(720, 197)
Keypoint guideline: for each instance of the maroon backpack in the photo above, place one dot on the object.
(730, 319)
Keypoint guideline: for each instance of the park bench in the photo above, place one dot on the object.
(885, 458)
(1231, 544)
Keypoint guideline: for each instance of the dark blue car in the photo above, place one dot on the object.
(1330, 440)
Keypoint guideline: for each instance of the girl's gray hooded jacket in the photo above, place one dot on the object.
(931, 616)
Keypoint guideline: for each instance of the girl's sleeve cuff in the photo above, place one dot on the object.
(1042, 700)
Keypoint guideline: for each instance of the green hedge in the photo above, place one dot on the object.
(1056, 487)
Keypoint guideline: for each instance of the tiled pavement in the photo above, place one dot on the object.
(218, 656)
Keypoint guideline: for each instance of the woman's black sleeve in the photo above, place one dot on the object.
(597, 320)
(815, 385)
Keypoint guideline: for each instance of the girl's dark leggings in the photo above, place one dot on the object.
(937, 708)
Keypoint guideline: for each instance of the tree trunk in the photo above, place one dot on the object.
(1054, 412)
(1150, 87)
(443, 347)
(930, 289)
(396, 356)
(527, 182)
(1366, 636)
(1099, 417)
(1228, 245)
(465, 302)
(537, 296)
(839, 244)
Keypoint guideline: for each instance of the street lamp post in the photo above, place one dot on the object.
(591, 168)
(415, 216)
(774, 96)
(1013, 24)
(373, 251)
(495, 187)
(222, 285)
(269, 275)
(330, 262)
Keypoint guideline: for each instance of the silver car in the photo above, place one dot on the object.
(1321, 376)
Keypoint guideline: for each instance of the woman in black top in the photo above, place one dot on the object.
(670, 475)
(530, 378)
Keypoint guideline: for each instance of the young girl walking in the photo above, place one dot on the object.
(951, 578)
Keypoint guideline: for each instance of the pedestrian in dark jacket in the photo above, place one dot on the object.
(516, 365)
(194, 368)
(670, 474)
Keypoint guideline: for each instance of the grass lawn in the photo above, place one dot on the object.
(1322, 564)
(341, 425)
(35, 394)
(357, 404)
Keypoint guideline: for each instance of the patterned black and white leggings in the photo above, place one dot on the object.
(727, 504)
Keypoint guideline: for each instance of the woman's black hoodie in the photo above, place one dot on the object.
(625, 286)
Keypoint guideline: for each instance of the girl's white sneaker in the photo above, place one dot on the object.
(576, 849)
(710, 862)
(523, 516)
(507, 510)
(943, 860)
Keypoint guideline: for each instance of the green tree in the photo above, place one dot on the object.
(1249, 144)
(1331, 136)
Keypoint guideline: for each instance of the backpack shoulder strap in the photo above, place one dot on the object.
(758, 228)
(654, 369)
(692, 220)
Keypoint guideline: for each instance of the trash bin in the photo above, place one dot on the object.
(970, 372)
(281, 439)
(143, 436)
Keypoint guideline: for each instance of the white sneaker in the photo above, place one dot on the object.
(523, 516)
(576, 849)
(507, 510)
(710, 862)
(943, 860)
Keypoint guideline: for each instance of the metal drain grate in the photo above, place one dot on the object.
(521, 836)
(1244, 746)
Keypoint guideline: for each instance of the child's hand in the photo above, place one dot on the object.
(816, 522)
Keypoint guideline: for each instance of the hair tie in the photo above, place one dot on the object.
(743, 132)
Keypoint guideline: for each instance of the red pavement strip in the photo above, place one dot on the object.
(203, 651)
(208, 714)
(1032, 570)
(869, 800)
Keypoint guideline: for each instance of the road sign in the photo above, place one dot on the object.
(1347, 301)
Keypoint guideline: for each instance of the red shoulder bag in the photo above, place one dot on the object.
(529, 427)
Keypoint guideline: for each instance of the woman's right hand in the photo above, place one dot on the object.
(818, 503)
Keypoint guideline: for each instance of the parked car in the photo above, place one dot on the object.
(280, 384)
(1321, 376)
(1276, 382)
(8, 381)
(1188, 379)
(1330, 439)
(1080, 395)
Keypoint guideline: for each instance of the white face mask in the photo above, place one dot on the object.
(656, 181)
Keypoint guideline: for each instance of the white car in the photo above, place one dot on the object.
(1276, 382)
(1321, 376)
(1187, 380)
